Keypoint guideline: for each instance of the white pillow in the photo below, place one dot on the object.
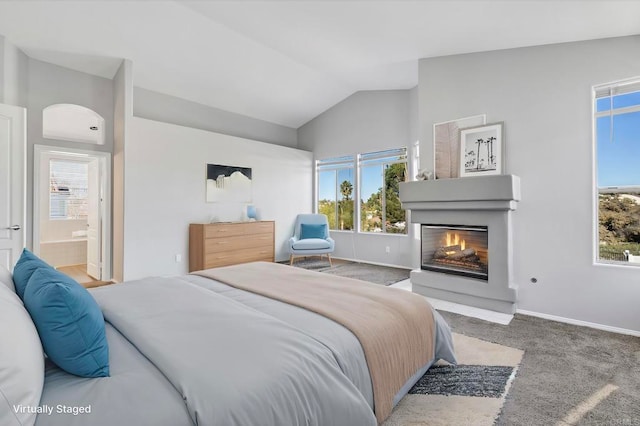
(6, 278)
(21, 362)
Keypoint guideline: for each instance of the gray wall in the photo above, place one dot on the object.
(13, 74)
(543, 95)
(50, 84)
(169, 109)
(365, 122)
(3, 41)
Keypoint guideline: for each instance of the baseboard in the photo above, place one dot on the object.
(580, 323)
(372, 263)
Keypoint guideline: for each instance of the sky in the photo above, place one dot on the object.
(371, 181)
(618, 156)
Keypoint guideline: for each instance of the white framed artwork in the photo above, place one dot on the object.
(482, 150)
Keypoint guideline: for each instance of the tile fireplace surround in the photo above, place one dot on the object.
(475, 201)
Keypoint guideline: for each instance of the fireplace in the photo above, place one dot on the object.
(455, 249)
(465, 252)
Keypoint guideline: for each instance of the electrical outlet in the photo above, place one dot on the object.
(387, 249)
(178, 258)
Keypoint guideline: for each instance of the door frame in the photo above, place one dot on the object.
(17, 184)
(105, 211)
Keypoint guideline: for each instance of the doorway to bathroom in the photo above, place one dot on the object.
(72, 220)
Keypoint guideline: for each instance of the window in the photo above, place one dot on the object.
(380, 176)
(336, 192)
(617, 134)
(68, 188)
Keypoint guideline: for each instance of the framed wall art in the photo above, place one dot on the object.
(482, 150)
(228, 184)
(446, 140)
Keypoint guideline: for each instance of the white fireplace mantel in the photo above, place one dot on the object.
(475, 201)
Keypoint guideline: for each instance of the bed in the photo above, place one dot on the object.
(193, 350)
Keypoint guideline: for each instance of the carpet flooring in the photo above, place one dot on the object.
(569, 375)
(383, 275)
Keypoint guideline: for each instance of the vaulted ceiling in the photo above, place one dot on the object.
(288, 61)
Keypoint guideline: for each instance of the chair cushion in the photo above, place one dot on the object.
(308, 230)
(26, 266)
(69, 322)
(6, 278)
(311, 244)
(21, 361)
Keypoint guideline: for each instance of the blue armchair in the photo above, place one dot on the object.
(311, 237)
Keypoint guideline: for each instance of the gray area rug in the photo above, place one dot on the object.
(569, 375)
(489, 381)
(362, 271)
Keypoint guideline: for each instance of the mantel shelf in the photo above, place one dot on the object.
(497, 192)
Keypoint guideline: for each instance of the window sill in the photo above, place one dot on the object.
(626, 265)
(369, 233)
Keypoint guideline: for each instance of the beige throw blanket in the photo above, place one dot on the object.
(395, 327)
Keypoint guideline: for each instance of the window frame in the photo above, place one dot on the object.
(381, 156)
(608, 90)
(354, 162)
(336, 164)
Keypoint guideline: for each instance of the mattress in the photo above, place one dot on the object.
(143, 390)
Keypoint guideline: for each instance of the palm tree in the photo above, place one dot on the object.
(480, 141)
(490, 156)
(346, 189)
(345, 206)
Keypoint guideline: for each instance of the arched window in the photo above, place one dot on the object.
(72, 123)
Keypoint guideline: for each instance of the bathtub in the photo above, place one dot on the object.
(64, 252)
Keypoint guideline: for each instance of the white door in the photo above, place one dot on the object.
(12, 186)
(94, 230)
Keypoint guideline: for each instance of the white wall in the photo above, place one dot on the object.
(366, 122)
(13, 74)
(165, 172)
(543, 95)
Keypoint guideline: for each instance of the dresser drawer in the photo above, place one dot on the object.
(238, 242)
(224, 230)
(215, 260)
(260, 228)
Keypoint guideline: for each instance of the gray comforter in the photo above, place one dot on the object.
(234, 357)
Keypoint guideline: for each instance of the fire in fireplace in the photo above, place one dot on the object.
(453, 249)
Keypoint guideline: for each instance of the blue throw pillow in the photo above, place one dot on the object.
(313, 231)
(26, 266)
(69, 322)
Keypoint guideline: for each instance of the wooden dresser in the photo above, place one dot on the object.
(221, 244)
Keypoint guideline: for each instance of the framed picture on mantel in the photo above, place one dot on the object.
(446, 138)
(482, 150)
